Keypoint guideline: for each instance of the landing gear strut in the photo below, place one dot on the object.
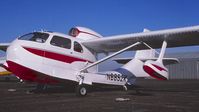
(81, 90)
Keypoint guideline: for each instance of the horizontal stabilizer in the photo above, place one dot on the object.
(166, 61)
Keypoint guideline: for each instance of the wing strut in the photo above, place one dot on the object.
(110, 56)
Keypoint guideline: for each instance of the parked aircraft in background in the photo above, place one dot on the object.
(50, 57)
(3, 71)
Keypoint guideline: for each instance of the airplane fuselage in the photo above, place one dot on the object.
(56, 55)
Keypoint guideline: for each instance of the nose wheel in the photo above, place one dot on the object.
(81, 90)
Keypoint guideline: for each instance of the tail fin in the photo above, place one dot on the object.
(160, 58)
(156, 68)
(137, 68)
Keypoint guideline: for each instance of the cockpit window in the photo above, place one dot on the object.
(36, 37)
(61, 42)
(78, 47)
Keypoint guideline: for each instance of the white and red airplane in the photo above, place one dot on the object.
(50, 57)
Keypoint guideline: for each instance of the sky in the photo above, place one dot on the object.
(107, 17)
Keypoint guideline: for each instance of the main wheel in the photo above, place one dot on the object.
(81, 90)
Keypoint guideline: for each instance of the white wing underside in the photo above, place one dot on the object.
(187, 36)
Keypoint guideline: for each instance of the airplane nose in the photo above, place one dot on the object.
(15, 62)
(12, 51)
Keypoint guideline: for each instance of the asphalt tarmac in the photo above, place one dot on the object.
(147, 96)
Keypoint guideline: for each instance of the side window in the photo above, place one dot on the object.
(61, 42)
(78, 47)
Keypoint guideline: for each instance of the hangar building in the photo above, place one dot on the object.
(188, 68)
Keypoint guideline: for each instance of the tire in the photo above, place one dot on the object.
(81, 90)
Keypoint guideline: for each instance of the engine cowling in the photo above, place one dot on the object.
(84, 33)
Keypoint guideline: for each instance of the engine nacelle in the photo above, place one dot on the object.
(84, 33)
(156, 70)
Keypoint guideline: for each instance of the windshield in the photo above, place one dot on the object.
(36, 37)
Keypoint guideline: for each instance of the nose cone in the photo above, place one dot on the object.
(12, 57)
(11, 53)
(14, 61)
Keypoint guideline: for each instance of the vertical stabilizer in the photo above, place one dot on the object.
(162, 52)
(156, 69)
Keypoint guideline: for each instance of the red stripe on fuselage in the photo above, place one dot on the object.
(54, 56)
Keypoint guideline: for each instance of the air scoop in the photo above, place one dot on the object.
(84, 33)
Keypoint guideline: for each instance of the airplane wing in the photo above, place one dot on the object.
(187, 36)
(4, 46)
